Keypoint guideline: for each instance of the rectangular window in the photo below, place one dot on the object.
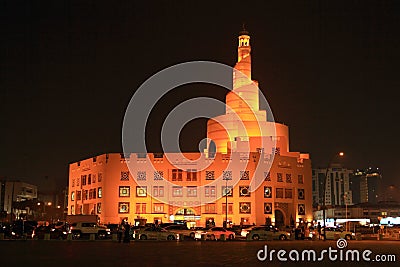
(98, 208)
(90, 194)
(158, 208)
(288, 178)
(267, 208)
(89, 179)
(123, 207)
(300, 193)
(279, 177)
(209, 191)
(124, 191)
(78, 195)
(288, 193)
(192, 191)
(244, 207)
(227, 190)
(158, 191)
(158, 175)
(230, 208)
(244, 191)
(85, 194)
(72, 196)
(124, 176)
(177, 175)
(267, 191)
(300, 179)
(279, 193)
(94, 193)
(210, 175)
(210, 208)
(227, 175)
(141, 191)
(83, 179)
(177, 191)
(78, 180)
(144, 208)
(141, 208)
(99, 192)
(72, 210)
(141, 176)
(99, 177)
(244, 175)
(93, 178)
(191, 175)
(267, 176)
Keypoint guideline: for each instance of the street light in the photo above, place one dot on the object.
(340, 154)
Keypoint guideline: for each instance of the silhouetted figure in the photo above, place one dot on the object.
(127, 236)
(319, 230)
(121, 229)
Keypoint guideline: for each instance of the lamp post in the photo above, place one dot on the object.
(341, 154)
(226, 202)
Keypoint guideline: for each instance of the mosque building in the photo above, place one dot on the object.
(246, 175)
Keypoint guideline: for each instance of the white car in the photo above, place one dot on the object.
(215, 234)
(85, 228)
(245, 231)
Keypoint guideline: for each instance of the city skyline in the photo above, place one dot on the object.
(328, 71)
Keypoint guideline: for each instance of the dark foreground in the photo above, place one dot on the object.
(153, 253)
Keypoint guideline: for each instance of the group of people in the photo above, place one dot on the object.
(124, 232)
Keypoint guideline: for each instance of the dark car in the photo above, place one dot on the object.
(54, 233)
(20, 229)
(113, 227)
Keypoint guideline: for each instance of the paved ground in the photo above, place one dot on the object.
(165, 253)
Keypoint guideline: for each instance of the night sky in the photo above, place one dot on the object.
(329, 69)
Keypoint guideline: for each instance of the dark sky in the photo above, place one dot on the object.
(329, 69)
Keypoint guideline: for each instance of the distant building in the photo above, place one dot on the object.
(366, 186)
(337, 186)
(15, 191)
(363, 212)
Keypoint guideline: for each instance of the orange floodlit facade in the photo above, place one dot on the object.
(267, 185)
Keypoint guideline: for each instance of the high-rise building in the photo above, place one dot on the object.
(268, 185)
(337, 186)
(366, 185)
(15, 191)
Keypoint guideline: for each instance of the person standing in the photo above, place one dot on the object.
(127, 236)
(121, 229)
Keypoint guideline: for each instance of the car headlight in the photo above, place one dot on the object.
(64, 233)
(353, 233)
(12, 233)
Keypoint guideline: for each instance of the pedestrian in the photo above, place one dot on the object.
(121, 229)
(127, 236)
(319, 230)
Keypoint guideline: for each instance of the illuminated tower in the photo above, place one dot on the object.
(244, 127)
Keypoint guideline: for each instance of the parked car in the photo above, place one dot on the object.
(215, 233)
(245, 231)
(267, 233)
(336, 233)
(181, 229)
(79, 229)
(155, 233)
(22, 228)
(55, 233)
